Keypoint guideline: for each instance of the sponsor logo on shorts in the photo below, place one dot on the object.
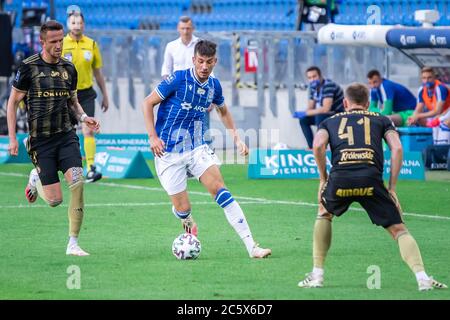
(355, 192)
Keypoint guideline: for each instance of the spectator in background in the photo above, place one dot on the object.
(390, 99)
(433, 99)
(441, 128)
(179, 53)
(84, 53)
(316, 13)
(325, 99)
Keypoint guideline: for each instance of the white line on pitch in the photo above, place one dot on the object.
(250, 200)
(205, 194)
(121, 204)
(13, 174)
(259, 200)
(154, 204)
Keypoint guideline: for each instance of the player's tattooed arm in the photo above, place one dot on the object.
(13, 103)
(81, 115)
(75, 106)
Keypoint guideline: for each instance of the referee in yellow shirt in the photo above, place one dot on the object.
(84, 53)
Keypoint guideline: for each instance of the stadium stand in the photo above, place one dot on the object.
(209, 15)
(213, 15)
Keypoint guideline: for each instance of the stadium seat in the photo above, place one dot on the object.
(119, 14)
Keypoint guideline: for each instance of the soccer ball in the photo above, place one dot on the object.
(186, 246)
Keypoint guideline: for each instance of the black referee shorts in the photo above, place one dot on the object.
(86, 98)
(57, 153)
(340, 192)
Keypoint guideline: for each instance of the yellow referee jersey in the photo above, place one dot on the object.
(85, 55)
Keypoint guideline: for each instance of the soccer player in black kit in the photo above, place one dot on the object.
(49, 82)
(355, 137)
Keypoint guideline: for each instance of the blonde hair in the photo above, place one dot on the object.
(428, 69)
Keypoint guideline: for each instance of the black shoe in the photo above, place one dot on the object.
(93, 175)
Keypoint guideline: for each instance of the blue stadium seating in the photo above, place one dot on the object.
(211, 15)
(392, 11)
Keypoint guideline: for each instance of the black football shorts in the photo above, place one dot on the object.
(340, 192)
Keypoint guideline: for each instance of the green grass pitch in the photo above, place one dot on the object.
(129, 229)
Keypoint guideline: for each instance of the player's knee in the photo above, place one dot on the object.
(223, 197)
(396, 230)
(324, 215)
(54, 202)
(181, 211)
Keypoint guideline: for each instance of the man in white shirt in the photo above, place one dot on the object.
(178, 54)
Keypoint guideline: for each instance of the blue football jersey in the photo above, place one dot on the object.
(181, 113)
(401, 97)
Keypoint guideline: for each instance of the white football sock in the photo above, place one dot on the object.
(72, 241)
(33, 178)
(236, 218)
(422, 275)
(317, 272)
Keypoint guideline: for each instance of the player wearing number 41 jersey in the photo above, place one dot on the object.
(355, 139)
(179, 147)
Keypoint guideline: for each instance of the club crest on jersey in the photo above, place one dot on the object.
(170, 79)
(87, 55)
(201, 91)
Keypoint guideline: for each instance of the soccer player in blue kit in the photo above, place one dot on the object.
(391, 99)
(177, 141)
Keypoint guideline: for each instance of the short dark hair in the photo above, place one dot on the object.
(314, 68)
(372, 73)
(205, 48)
(185, 19)
(50, 25)
(357, 93)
